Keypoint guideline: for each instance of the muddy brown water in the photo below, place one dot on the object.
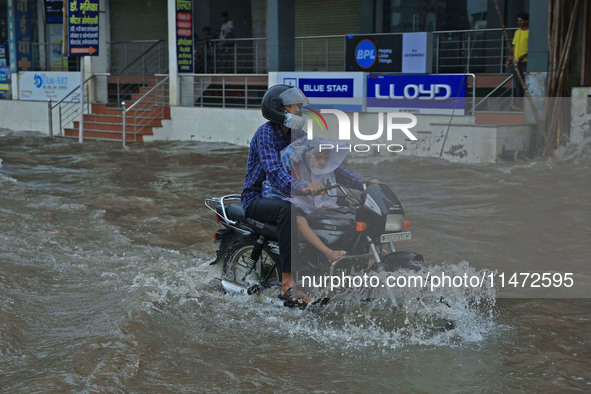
(104, 278)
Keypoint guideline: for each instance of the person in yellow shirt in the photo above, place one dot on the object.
(519, 51)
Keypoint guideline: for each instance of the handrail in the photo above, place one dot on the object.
(144, 96)
(234, 39)
(140, 56)
(494, 90)
(124, 111)
(220, 75)
(78, 87)
(131, 41)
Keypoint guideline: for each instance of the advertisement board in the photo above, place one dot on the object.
(423, 94)
(400, 53)
(184, 36)
(54, 11)
(4, 82)
(19, 37)
(3, 56)
(83, 27)
(328, 90)
(43, 86)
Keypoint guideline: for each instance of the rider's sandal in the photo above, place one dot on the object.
(293, 298)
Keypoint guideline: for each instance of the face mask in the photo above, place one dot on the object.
(294, 122)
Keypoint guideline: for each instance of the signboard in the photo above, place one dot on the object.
(54, 11)
(414, 53)
(424, 94)
(381, 53)
(405, 53)
(3, 56)
(184, 36)
(43, 86)
(83, 27)
(57, 62)
(4, 82)
(19, 35)
(328, 90)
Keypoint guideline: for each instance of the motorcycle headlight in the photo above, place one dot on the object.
(394, 222)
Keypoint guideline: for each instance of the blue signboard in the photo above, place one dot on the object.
(3, 56)
(435, 94)
(317, 87)
(53, 11)
(184, 36)
(19, 35)
(83, 27)
(4, 82)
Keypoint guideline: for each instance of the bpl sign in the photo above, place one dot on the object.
(365, 54)
(425, 94)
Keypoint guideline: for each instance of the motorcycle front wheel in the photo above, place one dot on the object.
(236, 269)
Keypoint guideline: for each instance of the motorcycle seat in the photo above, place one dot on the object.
(235, 212)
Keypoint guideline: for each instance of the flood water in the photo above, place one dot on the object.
(105, 278)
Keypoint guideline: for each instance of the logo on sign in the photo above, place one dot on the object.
(323, 87)
(411, 91)
(365, 54)
(38, 81)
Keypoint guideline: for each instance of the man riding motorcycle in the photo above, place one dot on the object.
(281, 106)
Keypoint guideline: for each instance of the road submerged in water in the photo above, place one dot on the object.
(105, 278)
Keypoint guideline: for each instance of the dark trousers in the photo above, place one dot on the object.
(522, 70)
(279, 212)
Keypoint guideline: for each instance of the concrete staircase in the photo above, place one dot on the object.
(105, 123)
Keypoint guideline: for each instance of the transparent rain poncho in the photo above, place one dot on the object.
(306, 164)
(290, 97)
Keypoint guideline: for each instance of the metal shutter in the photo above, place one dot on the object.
(319, 18)
(135, 20)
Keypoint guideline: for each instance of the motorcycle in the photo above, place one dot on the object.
(365, 224)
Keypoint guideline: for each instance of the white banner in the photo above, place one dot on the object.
(43, 86)
(414, 53)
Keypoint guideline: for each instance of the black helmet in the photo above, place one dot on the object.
(275, 98)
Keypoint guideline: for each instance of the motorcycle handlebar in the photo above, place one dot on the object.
(308, 192)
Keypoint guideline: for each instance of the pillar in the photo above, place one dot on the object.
(281, 35)
(173, 82)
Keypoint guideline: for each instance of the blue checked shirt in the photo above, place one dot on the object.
(264, 162)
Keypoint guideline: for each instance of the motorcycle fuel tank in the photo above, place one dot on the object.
(335, 226)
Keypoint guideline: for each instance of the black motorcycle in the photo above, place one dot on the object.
(365, 224)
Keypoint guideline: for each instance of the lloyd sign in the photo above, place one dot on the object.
(424, 94)
(43, 86)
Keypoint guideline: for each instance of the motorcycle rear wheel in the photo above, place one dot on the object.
(235, 267)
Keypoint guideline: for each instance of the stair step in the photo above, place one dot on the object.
(500, 118)
(103, 134)
(130, 122)
(112, 127)
(100, 118)
(85, 138)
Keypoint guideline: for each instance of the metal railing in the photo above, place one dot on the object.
(238, 56)
(471, 51)
(124, 54)
(151, 57)
(498, 99)
(224, 90)
(455, 51)
(68, 110)
(48, 57)
(150, 106)
(320, 53)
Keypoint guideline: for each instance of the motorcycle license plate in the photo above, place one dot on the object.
(386, 238)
